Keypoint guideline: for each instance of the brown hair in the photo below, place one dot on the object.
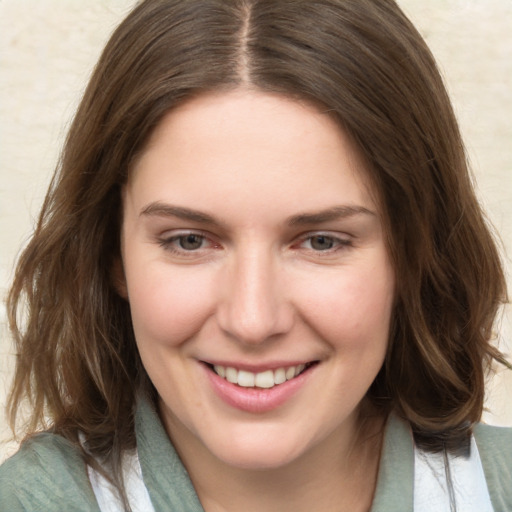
(368, 66)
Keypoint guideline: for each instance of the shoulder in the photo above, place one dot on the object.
(495, 449)
(47, 473)
(495, 445)
(494, 435)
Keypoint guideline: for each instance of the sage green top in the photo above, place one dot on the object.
(48, 475)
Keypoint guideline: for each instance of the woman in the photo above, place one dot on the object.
(261, 279)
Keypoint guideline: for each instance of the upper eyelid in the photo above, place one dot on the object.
(326, 233)
(177, 233)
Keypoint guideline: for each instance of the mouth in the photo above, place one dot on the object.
(265, 379)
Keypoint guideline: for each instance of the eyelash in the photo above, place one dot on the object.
(168, 243)
(338, 243)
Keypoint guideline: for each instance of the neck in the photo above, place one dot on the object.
(339, 474)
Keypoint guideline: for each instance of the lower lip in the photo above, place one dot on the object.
(256, 400)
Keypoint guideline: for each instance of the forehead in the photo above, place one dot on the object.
(247, 144)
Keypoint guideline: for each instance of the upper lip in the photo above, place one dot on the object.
(260, 367)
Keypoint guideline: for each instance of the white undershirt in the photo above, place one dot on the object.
(431, 490)
(136, 491)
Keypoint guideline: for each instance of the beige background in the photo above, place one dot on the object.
(48, 49)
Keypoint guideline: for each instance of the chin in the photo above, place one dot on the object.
(257, 454)
(257, 461)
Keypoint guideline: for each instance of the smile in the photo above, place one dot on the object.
(266, 379)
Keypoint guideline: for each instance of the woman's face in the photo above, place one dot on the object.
(258, 278)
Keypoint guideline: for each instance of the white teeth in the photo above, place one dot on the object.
(266, 379)
(246, 379)
(290, 372)
(280, 376)
(220, 370)
(232, 375)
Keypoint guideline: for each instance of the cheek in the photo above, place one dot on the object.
(167, 307)
(353, 309)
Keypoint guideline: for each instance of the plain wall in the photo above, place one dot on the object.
(49, 47)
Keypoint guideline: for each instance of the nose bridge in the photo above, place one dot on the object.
(255, 307)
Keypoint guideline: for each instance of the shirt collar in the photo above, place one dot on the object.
(164, 475)
(395, 481)
(170, 487)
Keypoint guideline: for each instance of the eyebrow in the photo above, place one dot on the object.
(308, 218)
(329, 215)
(168, 210)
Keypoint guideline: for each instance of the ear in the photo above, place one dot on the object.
(119, 278)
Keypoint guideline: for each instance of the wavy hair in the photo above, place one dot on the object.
(366, 64)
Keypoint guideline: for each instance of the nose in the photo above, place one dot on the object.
(255, 307)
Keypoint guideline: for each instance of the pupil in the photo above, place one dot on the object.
(190, 242)
(322, 243)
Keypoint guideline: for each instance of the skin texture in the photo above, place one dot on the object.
(263, 283)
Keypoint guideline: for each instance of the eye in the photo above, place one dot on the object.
(190, 242)
(187, 243)
(324, 243)
(321, 242)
